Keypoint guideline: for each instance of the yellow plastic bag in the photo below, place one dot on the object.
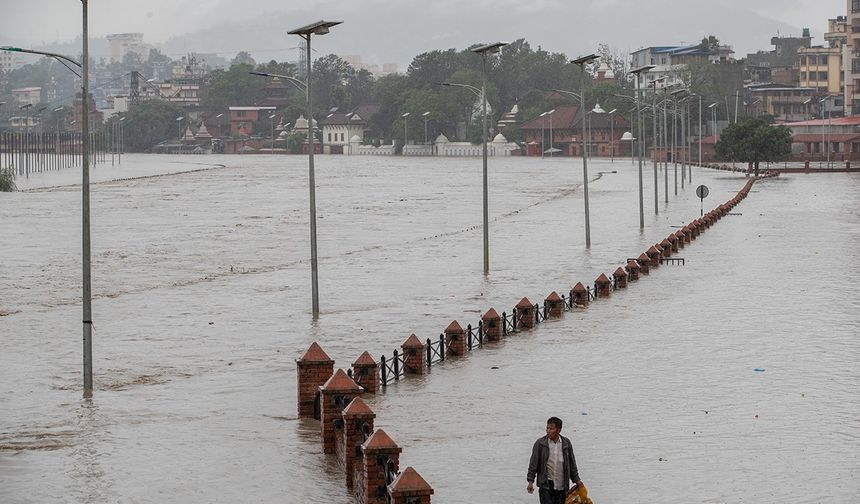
(578, 495)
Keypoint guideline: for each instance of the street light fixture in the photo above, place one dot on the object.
(637, 72)
(581, 62)
(483, 51)
(179, 125)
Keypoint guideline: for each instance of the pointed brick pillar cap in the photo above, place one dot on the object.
(525, 303)
(454, 327)
(553, 297)
(315, 353)
(633, 265)
(340, 382)
(644, 257)
(379, 440)
(412, 342)
(666, 243)
(579, 288)
(603, 279)
(491, 314)
(411, 483)
(364, 360)
(620, 272)
(672, 238)
(679, 234)
(358, 408)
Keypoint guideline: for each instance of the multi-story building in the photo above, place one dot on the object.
(822, 67)
(852, 91)
(27, 95)
(782, 102)
(339, 128)
(670, 61)
(124, 43)
(770, 66)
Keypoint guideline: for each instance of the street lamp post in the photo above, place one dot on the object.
(666, 150)
(653, 85)
(581, 62)
(425, 115)
(305, 32)
(637, 72)
(542, 134)
(612, 134)
(484, 50)
(179, 127)
(85, 206)
(272, 121)
(551, 139)
(405, 117)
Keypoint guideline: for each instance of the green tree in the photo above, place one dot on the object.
(709, 43)
(149, 123)
(243, 58)
(753, 141)
(233, 87)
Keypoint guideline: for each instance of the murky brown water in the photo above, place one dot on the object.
(202, 304)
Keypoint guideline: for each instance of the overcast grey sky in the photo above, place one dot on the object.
(383, 31)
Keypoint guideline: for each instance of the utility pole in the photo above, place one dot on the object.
(85, 201)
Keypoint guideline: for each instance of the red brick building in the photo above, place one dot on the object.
(561, 130)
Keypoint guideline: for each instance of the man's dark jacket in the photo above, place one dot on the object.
(540, 455)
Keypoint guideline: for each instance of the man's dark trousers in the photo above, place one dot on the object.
(550, 496)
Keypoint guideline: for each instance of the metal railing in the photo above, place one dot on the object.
(38, 152)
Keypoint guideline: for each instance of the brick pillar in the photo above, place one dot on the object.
(313, 369)
(688, 234)
(620, 277)
(673, 242)
(679, 235)
(525, 313)
(667, 248)
(654, 254)
(492, 324)
(554, 304)
(365, 372)
(357, 420)
(455, 339)
(602, 285)
(335, 395)
(410, 488)
(644, 263)
(579, 295)
(634, 268)
(413, 355)
(376, 450)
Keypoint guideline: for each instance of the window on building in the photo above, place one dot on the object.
(342, 137)
(329, 137)
(803, 76)
(822, 76)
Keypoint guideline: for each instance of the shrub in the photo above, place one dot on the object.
(7, 180)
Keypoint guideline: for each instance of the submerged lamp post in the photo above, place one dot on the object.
(638, 73)
(305, 32)
(483, 51)
(86, 290)
(581, 62)
(653, 85)
(425, 115)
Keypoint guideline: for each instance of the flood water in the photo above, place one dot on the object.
(202, 304)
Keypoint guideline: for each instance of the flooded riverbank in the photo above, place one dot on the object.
(202, 303)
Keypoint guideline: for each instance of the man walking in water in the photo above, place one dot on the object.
(553, 463)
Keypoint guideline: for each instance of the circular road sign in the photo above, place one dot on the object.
(702, 192)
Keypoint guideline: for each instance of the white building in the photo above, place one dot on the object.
(27, 95)
(340, 128)
(124, 43)
(116, 105)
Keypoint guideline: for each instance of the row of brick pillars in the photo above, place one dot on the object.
(346, 424)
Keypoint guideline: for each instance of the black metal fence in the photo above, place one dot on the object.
(26, 153)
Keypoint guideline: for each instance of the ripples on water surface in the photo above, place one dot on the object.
(202, 305)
